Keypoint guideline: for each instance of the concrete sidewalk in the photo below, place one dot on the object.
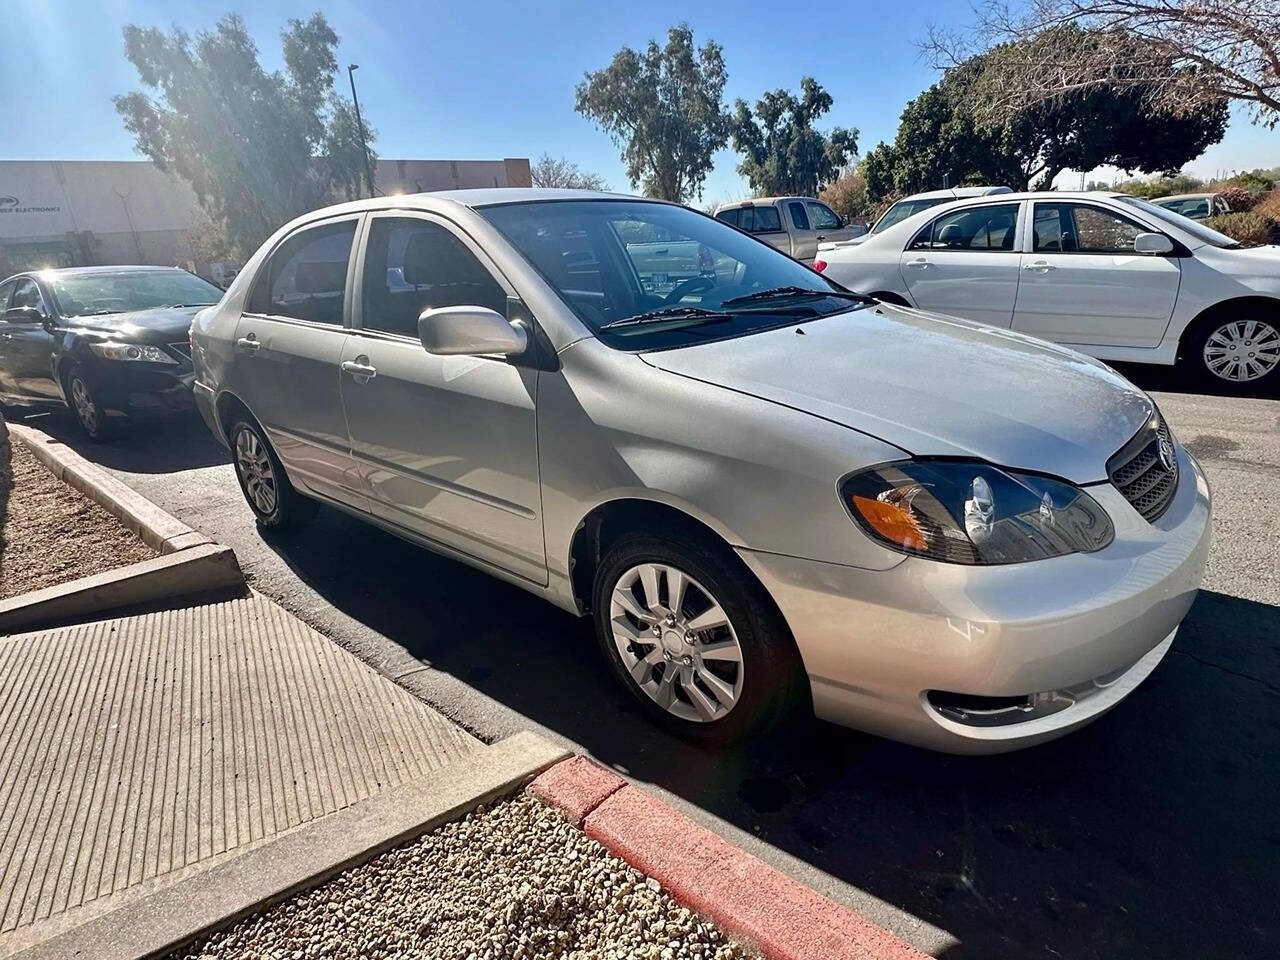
(139, 751)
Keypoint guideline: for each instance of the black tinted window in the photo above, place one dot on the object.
(27, 294)
(798, 216)
(729, 216)
(307, 275)
(5, 290)
(760, 220)
(980, 229)
(413, 265)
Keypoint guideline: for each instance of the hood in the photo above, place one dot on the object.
(934, 386)
(163, 325)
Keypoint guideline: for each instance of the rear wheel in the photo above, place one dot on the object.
(1240, 350)
(270, 495)
(694, 640)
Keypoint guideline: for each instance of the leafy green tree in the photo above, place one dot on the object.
(877, 168)
(664, 107)
(946, 136)
(258, 147)
(782, 152)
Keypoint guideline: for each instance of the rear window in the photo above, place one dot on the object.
(905, 208)
(729, 216)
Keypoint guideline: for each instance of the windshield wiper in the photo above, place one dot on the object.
(180, 306)
(794, 291)
(695, 314)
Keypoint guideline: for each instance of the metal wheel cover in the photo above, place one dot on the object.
(82, 400)
(254, 467)
(1242, 350)
(676, 642)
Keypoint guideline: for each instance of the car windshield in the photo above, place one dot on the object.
(903, 209)
(647, 276)
(1186, 224)
(90, 294)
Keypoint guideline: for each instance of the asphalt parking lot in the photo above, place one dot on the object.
(1155, 832)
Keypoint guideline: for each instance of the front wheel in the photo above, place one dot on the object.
(1237, 351)
(270, 495)
(694, 640)
(86, 405)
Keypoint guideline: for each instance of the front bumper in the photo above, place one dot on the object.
(1091, 626)
(141, 389)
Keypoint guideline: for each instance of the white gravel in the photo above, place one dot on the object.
(514, 882)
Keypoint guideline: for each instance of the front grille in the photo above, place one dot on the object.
(182, 349)
(1140, 472)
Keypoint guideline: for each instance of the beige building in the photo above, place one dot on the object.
(90, 212)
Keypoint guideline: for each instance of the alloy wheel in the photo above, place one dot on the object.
(676, 642)
(86, 409)
(256, 471)
(1242, 350)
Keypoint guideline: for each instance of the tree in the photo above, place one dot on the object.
(563, 173)
(257, 147)
(1185, 55)
(946, 136)
(664, 107)
(782, 152)
(847, 196)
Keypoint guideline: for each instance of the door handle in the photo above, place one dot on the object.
(1040, 266)
(360, 368)
(821, 237)
(249, 343)
(919, 264)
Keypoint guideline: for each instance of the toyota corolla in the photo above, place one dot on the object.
(767, 491)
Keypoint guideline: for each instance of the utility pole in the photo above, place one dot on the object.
(364, 141)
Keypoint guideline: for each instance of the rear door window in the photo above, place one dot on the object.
(761, 220)
(306, 277)
(729, 216)
(973, 229)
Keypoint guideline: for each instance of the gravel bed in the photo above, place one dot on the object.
(51, 533)
(514, 882)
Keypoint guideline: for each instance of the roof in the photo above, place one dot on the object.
(83, 271)
(749, 201)
(489, 196)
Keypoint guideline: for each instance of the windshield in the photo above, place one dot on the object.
(905, 208)
(89, 294)
(1186, 224)
(648, 276)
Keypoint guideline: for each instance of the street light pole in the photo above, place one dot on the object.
(364, 142)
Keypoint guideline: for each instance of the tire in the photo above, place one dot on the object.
(710, 700)
(1238, 351)
(266, 488)
(86, 406)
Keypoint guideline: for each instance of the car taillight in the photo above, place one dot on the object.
(819, 265)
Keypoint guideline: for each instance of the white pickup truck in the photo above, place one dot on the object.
(795, 225)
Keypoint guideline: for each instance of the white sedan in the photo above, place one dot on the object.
(1107, 274)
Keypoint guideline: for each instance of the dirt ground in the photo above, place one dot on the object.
(50, 533)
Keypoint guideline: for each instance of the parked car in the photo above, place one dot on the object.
(764, 489)
(795, 225)
(102, 341)
(1107, 274)
(913, 204)
(1195, 206)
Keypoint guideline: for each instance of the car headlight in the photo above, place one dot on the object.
(131, 351)
(961, 511)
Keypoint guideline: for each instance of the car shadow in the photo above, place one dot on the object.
(155, 445)
(1153, 832)
(1175, 380)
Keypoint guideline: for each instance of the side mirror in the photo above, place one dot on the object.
(24, 315)
(449, 331)
(1152, 244)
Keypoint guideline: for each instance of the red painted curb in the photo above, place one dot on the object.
(741, 893)
(576, 787)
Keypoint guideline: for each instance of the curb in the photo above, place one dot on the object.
(741, 893)
(203, 569)
(161, 531)
(303, 858)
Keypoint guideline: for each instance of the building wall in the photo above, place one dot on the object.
(89, 212)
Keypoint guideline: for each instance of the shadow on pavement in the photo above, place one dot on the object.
(1174, 380)
(1152, 833)
(159, 445)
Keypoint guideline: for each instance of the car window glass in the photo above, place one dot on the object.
(798, 216)
(1081, 228)
(306, 277)
(906, 208)
(760, 220)
(973, 229)
(1196, 208)
(729, 216)
(1046, 228)
(823, 217)
(5, 290)
(27, 294)
(412, 265)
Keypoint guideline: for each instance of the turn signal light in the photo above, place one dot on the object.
(895, 521)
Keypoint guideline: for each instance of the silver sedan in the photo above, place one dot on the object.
(767, 491)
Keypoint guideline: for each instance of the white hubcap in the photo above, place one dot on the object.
(1242, 350)
(676, 641)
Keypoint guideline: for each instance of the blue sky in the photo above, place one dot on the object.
(496, 79)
